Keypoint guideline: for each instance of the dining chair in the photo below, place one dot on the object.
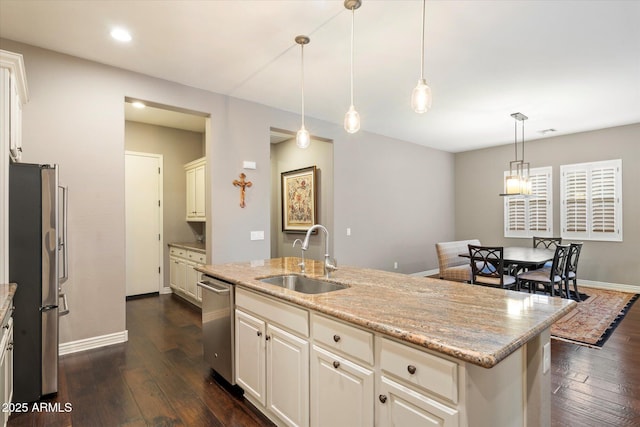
(487, 267)
(571, 269)
(548, 277)
(546, 243)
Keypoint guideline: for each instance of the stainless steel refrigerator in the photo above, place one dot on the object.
(36, 244)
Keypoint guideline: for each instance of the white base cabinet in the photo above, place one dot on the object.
(354, 377)
(272, 359)
(183, 276)
(6, 365)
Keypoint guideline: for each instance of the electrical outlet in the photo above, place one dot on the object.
(395, 265)
(348, 231)
(546, 358)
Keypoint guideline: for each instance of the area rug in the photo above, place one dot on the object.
(595, 318)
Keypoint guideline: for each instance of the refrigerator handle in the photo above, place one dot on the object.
(62, 241)
(65, 305)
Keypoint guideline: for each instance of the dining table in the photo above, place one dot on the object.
(521, 257)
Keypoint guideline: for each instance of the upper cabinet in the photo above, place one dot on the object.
(195, 171)
(13, 95)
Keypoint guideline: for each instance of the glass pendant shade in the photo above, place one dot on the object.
(421, 97)
(517, 183)
(352, 120)
(302, 138)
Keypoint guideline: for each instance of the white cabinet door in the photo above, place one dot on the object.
(196, 195)
(398, 405)
(199, 191)
(341, 391)
(177, 273)
(250, 355)
(288, 376)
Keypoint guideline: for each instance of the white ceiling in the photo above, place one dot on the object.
(568, 65)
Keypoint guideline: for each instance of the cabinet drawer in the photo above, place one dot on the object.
(292, 318)
(339, 336)
(431, 373)
(177, 251)
(196, 257)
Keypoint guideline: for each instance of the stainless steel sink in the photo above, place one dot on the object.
(305, 285)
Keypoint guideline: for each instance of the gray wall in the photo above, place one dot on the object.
(479, 209)
(177, 148)
(397, 197)
(286, 156)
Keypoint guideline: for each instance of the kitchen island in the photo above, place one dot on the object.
(473, 355)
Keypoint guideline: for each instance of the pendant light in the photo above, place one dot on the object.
(352, 118)
(421, 95)
(517, 182)
(302, 137)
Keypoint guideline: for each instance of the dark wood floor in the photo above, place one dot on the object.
(158, 378)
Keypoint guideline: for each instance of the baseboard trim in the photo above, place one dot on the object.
(612, 286)
(166, 290)
(93, 342)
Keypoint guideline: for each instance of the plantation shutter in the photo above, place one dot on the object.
(539, 215)
(532, 215)
(591, 196)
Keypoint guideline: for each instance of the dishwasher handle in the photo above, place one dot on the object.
(220, 290)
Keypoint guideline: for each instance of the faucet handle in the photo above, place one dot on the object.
(296, 241)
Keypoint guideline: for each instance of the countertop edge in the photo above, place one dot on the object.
(192, 246)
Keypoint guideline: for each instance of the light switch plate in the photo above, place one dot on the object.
(257, 235)
(248, 165)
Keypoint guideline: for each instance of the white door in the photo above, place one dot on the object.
(143, 216)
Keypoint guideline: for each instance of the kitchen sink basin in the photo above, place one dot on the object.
(305, 285)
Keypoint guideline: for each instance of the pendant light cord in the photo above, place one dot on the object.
(422, 51)
(302, 78)
(353, 14)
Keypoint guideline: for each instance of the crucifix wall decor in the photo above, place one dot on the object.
(242, 184)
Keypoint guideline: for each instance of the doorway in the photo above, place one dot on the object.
(143, 222)
(286, 156)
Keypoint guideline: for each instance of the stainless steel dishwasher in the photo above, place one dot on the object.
(217, 326)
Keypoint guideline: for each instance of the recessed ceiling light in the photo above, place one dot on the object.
(121, 35)
(138, 104)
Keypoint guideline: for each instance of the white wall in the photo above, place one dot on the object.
(397, 197)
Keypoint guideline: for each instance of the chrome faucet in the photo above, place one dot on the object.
(328, 267)
(301, 265)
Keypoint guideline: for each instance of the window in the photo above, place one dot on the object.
(591, 195)
(531, 216)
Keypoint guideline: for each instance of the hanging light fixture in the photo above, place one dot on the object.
(302, 137)
(517, 182)
(421, 95)
(352, 118)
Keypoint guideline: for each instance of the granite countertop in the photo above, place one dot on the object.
(472, 323)
(7, 291)
(192, 246)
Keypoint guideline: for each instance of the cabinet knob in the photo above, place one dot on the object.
(268, 337)
(259, 333)
(336, 364)
(411, 369)
(336, 338)
(383, 398)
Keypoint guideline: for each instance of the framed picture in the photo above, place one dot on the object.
(299, 200)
